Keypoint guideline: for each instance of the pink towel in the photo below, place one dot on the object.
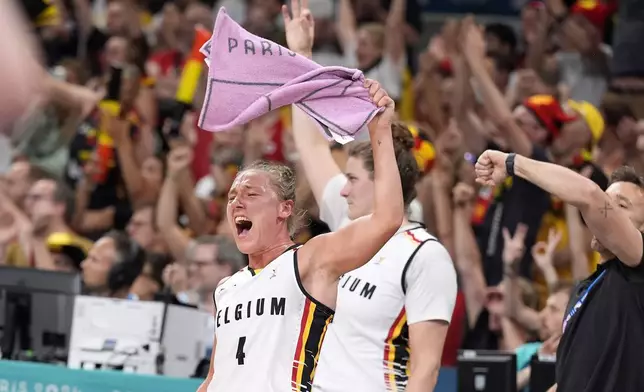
(249, 76)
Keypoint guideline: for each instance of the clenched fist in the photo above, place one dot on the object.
(490, 168)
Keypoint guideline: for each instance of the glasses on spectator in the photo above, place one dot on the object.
(206, 263)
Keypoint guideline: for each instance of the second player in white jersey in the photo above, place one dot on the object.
(410, 280)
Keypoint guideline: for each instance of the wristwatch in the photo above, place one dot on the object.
(509, 164)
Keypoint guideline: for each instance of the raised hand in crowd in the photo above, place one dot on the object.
(524, 317)
(130, 159)
(444, 45)
(543, 251)
(179, 161)
(532, 26)
(473, 39)
(513, 246)
(543, 255)
(175, 277)
(299, 28)
(177, 191)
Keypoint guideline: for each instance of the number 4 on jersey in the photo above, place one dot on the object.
(240, 350)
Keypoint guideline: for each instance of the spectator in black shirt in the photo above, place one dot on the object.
(603, 327)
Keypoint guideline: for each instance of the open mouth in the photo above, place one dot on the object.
(243, 225)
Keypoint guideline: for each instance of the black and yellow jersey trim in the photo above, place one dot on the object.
(316, 318)
(397, 354)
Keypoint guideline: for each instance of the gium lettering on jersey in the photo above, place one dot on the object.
(358, 286)
(251, 309)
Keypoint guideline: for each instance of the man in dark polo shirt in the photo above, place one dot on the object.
(603, 328)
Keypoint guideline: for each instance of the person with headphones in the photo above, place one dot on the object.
(112, 266)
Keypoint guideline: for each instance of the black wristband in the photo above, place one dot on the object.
(509, 164)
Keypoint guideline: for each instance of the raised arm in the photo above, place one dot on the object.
(607, 219)
(356, 243)
(313, 149)
(493, 99)
(135, 184)
(179, 160)
(513, 249)
(467, 256)
(543, 256)
(462, 102)
(346, 25)
(395, 37)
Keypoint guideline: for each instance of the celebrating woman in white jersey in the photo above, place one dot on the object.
(272, 316)
(392, 314)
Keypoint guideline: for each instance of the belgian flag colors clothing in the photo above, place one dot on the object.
(410, 280)
(268, 330)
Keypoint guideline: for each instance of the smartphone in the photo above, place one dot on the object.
(114, 84)
(176, 119)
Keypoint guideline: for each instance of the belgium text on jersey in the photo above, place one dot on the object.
(251, 309)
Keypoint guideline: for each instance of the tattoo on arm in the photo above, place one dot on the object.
(604, 210)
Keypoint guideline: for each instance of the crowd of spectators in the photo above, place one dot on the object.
(97, 170)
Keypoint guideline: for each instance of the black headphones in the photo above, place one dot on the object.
(129, 264)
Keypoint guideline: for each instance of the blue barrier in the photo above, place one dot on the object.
(446, 380)
(35, 377)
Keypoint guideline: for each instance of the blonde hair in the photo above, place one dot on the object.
(283, 181)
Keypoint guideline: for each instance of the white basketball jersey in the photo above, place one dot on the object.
(367, 346)
(268, 330)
